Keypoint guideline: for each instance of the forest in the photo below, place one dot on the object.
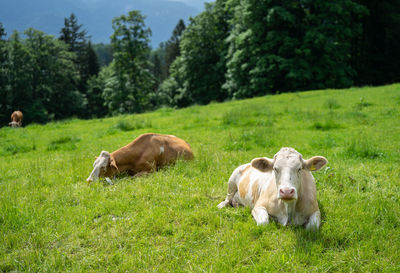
(234, 49)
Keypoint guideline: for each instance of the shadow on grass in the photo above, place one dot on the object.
(308, 240)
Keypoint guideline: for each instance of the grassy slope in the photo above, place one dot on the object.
(51, 220)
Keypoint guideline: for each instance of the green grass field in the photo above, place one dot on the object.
(52, 220)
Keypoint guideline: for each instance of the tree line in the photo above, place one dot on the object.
(234, 49)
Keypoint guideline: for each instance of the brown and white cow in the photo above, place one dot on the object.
(281, 188)
(16, 119)
(145, 154)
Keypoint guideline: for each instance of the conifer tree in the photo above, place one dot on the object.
(172, 49)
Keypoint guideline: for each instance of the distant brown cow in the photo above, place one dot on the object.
(145, 154)
(16, 119)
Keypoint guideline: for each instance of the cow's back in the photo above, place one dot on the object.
(151, 149)
(16, 116)
(169, 148)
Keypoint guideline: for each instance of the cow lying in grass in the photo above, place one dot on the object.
(281, 188)
(145, 154)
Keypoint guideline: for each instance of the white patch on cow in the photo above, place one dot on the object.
(223, 204)
(290, 212)
(260, 215)
(101, 162)
(161, 149)
(314, 221)
(265, 179)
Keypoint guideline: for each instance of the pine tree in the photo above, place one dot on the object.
(93, 66)
(172, 49)
(76, 39)
(4, 110)
(72, 35)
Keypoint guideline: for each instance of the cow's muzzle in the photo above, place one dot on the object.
(287, 194)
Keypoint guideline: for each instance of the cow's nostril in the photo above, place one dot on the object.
(287, 193)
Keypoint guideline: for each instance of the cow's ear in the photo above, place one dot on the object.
(315, 163)
(262, 164)
(113, 164)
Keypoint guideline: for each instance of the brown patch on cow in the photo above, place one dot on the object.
(255, 192)
(244, 186)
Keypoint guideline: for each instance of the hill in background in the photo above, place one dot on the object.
(96, 15)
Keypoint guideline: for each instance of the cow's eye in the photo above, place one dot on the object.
(276, 170)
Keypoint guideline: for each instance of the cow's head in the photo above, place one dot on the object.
(14, 124)
(288, 166)
(103, 166)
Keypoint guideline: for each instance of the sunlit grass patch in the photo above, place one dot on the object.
(328, 141)
(247, 139)
(13, 148)
(326, 125)
(165, 111)
(66, 143)
(361, 147)
(257, 115)
(129, 125)
(362, 104)
(332, 103)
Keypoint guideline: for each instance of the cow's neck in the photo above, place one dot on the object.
(290, 211)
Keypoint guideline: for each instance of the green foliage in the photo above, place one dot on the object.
(377, 47)
(128, 91)
(40, 78)
(104, 53)
(172, 50)
(52, 221)
(197, 76)
(96, 92)
(86, 59)
(286, 45)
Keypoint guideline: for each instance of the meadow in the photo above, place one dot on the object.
(51, 220)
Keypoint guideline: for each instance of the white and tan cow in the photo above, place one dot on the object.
(145, 154)
(281, 188)
(16, 119)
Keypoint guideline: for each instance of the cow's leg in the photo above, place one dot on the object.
(146, 168)
(141, 173)
(260, 215)
(314, 221)
(232, 190)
